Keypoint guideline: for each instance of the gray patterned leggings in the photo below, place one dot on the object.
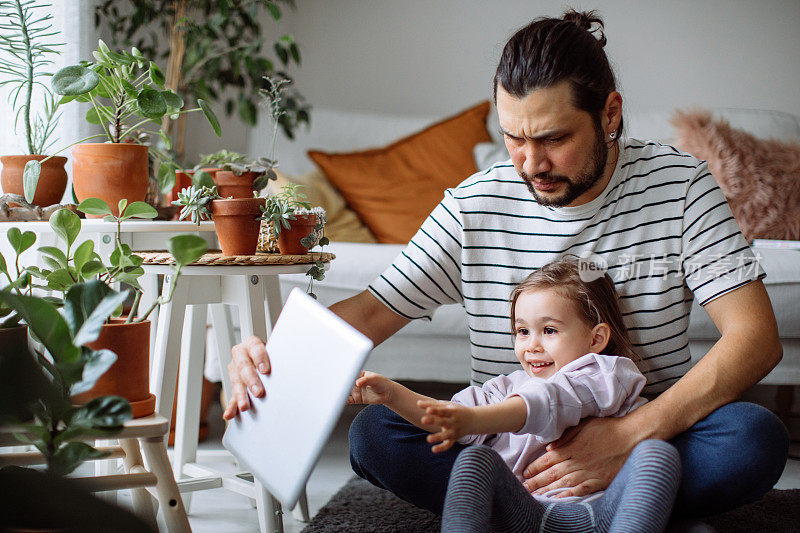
(484, 495)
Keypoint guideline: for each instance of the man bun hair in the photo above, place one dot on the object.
(551, 50)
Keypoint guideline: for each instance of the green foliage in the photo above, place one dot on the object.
(225, 50)
(281, 208)
(195, 202)
(26, 40)
(68, 368)
(21, 282)
(219, 158)
(317, 236)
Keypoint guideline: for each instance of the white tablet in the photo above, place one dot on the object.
(315, 357)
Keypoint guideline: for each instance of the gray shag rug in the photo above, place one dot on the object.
(362, 507)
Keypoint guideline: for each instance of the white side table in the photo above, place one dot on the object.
(255, 292)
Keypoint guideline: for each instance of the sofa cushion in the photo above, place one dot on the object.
(343, 224)
(760, 178)
(394, 188)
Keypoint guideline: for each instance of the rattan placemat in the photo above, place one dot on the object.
(217, 259)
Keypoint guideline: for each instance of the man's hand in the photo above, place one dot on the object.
(371, 388)
(245, 359)
(586, 458)
(455, 421)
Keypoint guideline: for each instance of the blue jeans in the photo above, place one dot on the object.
(730, 458)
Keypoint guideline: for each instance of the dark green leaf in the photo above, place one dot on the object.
(210, 116)
(247, 111)
(295, 51)
(20, 241)
(201, 178)
(74, 80)
(151, 103)
(55, 253)
(103, 412)
(273, 10)
(129, 89)
(30, 179)
(69, 456)
(45, 322)
(94, 206)
(166, 177)
(83, 254)
(156, 76)
(66, 225)
(140, 210)
(3, 266)
(173, 100)
(186, 248)
(87, 306)
(282, 54)
(92, 268)
(95, 363)
(59, 279)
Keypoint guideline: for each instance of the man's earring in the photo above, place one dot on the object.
(612, 135)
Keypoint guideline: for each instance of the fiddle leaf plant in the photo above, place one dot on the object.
(65, 368)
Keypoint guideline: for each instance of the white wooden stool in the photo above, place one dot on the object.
(140, 436)
(254, 291)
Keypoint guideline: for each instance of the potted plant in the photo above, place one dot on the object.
(37, 402)
(28, 47)
(219, 55)
(127, 336)
(13, 333)
(202, 173)
(127, 95)
(236, 220)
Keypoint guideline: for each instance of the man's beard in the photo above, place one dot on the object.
(578, 185)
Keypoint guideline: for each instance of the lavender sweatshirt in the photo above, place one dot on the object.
(591, 386)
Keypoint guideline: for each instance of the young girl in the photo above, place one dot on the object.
(576, 362)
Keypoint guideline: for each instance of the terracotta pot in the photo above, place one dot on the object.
(289, 239)
(129, 376)
(183, 180)
(52, 179)
(110, 171)
(237, 225)
(230, 185)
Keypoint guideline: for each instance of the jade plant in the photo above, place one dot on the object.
(27, 42)
(66, 367)
(128, 100)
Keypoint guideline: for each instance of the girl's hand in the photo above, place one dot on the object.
(454, 419)
(371, 388)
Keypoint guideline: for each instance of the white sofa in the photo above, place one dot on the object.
(439, 350)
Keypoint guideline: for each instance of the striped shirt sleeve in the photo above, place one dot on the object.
(427, 273)
(716, 258)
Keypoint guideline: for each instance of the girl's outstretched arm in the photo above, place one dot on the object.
(372, 388)
(456, 420)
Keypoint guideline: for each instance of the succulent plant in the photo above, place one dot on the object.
(195, 201)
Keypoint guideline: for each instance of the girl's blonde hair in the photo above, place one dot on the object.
(596, 300)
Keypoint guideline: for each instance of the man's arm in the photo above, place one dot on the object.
(363, 311)
(590, 456)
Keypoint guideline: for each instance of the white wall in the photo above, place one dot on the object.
(436, 57)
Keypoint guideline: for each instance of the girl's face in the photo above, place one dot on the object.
(549, 333)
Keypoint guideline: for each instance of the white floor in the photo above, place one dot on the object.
(219, 510)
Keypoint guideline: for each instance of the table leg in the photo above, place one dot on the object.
(168, 341)
(169, 498)
(142, 502)
(272, 300)
(270, 514)
(223, 333)
(149, 283)
(190, 379)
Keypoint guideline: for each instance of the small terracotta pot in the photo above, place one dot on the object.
(230, 185)
(129, 376)
(237, 224)
(183, 180)
(289, 239)
(52, 179)
(110, 171)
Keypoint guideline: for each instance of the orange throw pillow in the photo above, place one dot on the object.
(393, 189)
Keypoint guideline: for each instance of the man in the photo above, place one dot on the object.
(659, 221)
